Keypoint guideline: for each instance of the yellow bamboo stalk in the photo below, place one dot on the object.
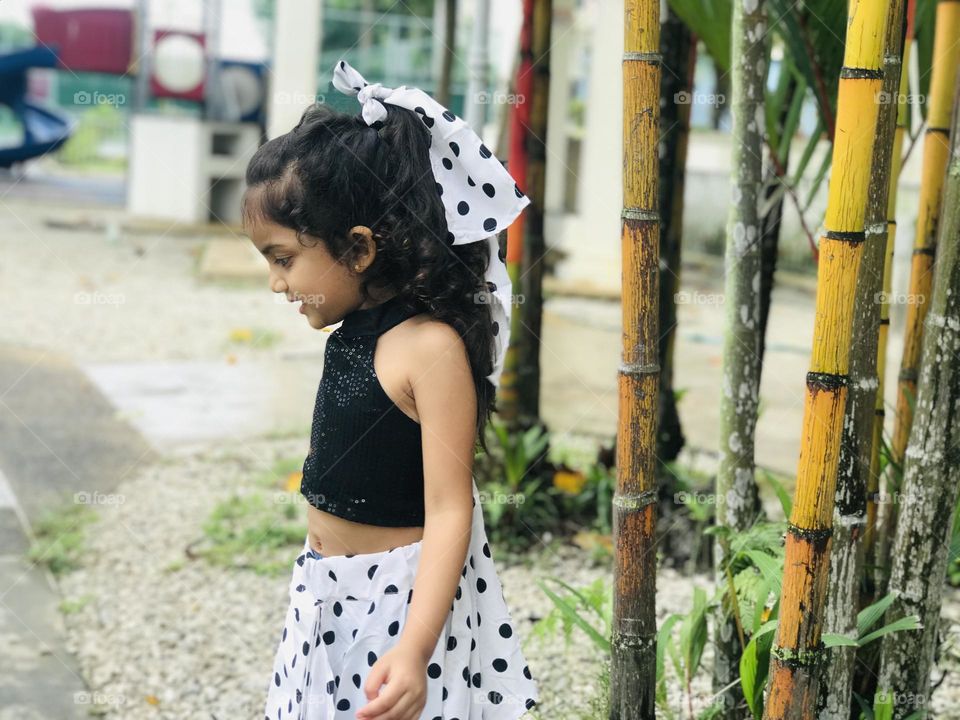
(633, 642)
(946, 57)
(797, 648)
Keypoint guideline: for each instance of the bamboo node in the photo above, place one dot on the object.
(799, 658)
(811, 534)
(850, 236)
(654, 58)
(635, 502)
(637, 369)
(640, 214)
(826, 381)
(859, 73)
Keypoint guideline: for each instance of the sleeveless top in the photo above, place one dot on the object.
(365, 462)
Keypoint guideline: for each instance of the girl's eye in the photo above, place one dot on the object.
(283, 262)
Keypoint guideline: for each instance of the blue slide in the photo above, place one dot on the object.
(44, 130)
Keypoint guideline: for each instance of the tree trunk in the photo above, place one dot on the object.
(679, 54)
(932, 470)
(633, 641)
(738, 502)
(797, 649)
(448, 53)
(850, 513)
(946, 57)
(534, 246)
(873, 478)
(508, 394)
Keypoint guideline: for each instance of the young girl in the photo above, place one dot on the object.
(386, 221)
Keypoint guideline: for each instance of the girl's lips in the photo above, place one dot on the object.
(303, 308)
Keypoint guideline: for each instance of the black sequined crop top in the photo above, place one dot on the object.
(366, 461)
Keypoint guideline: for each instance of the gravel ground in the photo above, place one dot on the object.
(162, 636)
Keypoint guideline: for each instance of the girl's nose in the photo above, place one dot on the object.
(277, 284)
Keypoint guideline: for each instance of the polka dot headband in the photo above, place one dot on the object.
(479, 195)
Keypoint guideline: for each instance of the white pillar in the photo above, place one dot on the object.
(592, 237)
(563, 36)
(296, 51)
(475, 113)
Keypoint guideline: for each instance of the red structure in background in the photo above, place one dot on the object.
(158, 89)
(87, 40)
(520, 128)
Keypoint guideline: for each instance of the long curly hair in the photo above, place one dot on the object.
(332, 172)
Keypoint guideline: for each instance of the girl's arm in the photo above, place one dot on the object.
(446, 404)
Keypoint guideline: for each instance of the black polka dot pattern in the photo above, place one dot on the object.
(480, 198)
(352, 609)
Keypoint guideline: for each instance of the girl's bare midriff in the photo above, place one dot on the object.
(332, 535)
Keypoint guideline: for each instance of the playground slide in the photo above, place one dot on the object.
(44, 130)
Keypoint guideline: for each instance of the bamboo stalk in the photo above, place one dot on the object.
(797, 648)
(738, 502)
(931, 472)
(903, 109)
(946, 57)
(633, 642)
(850, 513)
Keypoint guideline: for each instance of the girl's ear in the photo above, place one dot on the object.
(365, 247)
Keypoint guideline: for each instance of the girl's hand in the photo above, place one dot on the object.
(404, 670)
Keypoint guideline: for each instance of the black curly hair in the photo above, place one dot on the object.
(332, 172)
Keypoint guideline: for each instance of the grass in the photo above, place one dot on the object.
(70, 607)
(256, 529)
(60, 538)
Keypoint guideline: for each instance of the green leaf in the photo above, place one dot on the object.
(837, 640)
(910, 622)
(785, 502)
(769, 567)
(693, 633)
(574, 616)
(883, 705)
(663, 639)
(710, 20)
(868, 617)
(754, 666)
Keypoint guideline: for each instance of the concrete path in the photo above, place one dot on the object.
(60, 442)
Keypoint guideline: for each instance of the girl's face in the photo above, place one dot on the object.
(326, 289)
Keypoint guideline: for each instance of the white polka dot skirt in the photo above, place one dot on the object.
(345, 612)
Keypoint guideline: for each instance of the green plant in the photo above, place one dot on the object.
(59, 538)
(518, 500)
(254, 530)
(590, 609)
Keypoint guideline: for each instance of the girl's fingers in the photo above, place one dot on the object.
(375, 709)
